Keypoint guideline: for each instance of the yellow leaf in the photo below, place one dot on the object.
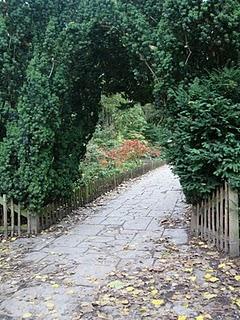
(168, 279)
(203, 317)
(222, 266)
(208, 295)
(27, 315)
(182, 318)
(154, 292)
(143, 309)
(157, 302)
(70, 292)
(50, 305)
(237, 277)
(130, 289)
(210, 270)
(193, 278)
(231, 288)
(210, 278)
(55, 285)
(237, 302)
(188, 270)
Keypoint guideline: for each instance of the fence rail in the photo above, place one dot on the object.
(216, 220)
(15, 220)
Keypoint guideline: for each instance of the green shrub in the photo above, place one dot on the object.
(204, 145)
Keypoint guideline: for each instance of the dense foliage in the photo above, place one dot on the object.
(58, 57)
(119, 142)
(205, 141)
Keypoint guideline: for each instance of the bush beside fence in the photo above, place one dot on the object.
(15, 220)
(216, 220)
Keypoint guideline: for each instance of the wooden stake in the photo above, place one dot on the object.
(19, 219)
(12, 218)
(205, 220)
(5, 222)
(233, 223)
(221, 236)
(217, 218)
(226, 218)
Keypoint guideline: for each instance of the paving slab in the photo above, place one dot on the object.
(56, 273)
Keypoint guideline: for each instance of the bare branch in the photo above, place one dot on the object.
(53, 65)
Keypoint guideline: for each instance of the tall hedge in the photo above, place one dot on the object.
(204, 141)
(58, 57)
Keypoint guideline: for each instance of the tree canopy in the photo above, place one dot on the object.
(58, 57)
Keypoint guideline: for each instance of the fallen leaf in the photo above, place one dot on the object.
(237, 302)
(237, 277)
(154, 292)
(143, 309)
(70, 292)
(157, 302)
(208, 295)
(182, 318)
(50, 305)
(208, 277)
(27, 315)
(117, 284)
(193, 278)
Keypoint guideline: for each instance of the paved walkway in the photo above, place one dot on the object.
(57, 274)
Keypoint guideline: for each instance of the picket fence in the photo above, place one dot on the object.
(216, 220)
(16, 220)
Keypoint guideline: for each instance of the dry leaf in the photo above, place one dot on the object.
(157, 302)
(27, 315)
(210, 278)
(208, 295)
(117, 284)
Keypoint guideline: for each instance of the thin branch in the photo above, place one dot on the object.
(153, 19)
(189, 50)
(189, 55)
(149, 67)
(53, 65)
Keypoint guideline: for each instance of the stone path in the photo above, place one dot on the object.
(57, 275)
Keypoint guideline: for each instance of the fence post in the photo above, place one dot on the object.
(201, 219)
(213, 202)
(194, 220)
(34, 224)
(205, 231)
(5, 223)
(28, 223)
(209, 221)
(19, 219)
(226, 218)
(233, 223)
(221, 215)
(12, 218)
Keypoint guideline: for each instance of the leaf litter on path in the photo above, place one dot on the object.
(185, 283)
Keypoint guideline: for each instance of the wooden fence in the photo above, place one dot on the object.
(15, 220)
(216, 220)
